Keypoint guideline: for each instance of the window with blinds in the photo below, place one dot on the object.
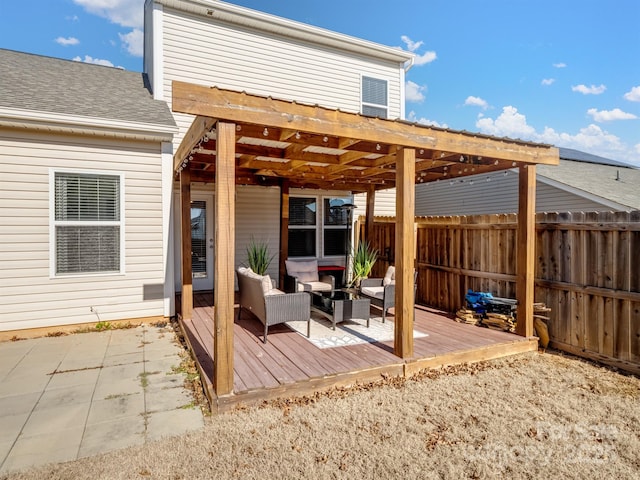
(374, 97)
(87, 223)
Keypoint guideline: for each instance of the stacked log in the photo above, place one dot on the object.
(468, 316)
(499, 321)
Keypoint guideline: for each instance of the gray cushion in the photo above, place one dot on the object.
(390, 276)
(377, 292)
(304, 270)
(314, 287)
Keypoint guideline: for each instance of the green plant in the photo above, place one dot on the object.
(258, 256)
(363, 260)
(101, 326)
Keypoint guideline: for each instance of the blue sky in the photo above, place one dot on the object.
(553, 71)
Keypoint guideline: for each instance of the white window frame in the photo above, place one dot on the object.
(320, 226)
(53, 223)
(375, 105)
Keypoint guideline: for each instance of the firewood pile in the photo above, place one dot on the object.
(485, 310)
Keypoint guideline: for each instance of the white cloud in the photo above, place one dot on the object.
(509, 123)
(424, 121)
(411, 45)
(592, 90)
(95, 61)
(134, 42)
(633, 95)
(560, 65)
(591, 139)
(67, 41)
(610, 115)
(425, 58)
(476, 102)
(414, 92)
(126, 13)
(548, 81)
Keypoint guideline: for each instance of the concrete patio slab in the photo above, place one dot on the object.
(62, 398)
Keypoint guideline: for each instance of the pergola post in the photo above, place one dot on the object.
(186, 297)
(225, 207)
(526, 249)
(284, 230)
(405, 241)
(371, 202)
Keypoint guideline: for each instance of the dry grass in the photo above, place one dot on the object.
(530, 416)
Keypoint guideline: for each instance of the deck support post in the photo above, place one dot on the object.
(186, 297)
(404, 255)
(225, 206)
(526, 249)
(368, 226)
(284, 230)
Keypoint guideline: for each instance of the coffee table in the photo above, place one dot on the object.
(340, 305)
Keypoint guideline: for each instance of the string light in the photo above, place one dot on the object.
(298, 135)
(265, 132)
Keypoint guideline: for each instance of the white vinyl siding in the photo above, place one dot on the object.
(29, 297)
(87, 223)
(495, 192)
(211, 53)
(257, 216)
(385, 204)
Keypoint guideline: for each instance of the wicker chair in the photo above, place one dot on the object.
(382, 291)
(303, 276)
(269, 304)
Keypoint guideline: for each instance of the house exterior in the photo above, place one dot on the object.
(111, 132)
(582, 182)
(214, 43)
(81, 187)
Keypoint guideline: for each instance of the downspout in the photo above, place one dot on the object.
(407, 65)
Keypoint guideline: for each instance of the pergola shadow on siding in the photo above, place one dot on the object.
(238, 138)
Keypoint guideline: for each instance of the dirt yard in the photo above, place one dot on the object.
(530, 416)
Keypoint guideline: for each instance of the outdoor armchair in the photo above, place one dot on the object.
(302, 276)
(269, 304)
(382, 291)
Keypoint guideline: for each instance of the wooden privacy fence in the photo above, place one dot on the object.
(587, 272)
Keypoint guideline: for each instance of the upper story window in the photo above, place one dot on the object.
(374, 97)
(87, 223)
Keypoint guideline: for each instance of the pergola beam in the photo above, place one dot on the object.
(244, 108)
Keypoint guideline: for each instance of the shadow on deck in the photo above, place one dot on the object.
(289, 365)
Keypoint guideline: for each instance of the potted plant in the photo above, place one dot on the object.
(363, 260)
(258, 256)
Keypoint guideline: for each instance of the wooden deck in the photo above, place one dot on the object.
(289, 365)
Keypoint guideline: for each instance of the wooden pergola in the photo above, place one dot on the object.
(242, 139)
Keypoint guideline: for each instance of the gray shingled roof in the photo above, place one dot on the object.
(571, 154)
(614, 182)
(34, 82)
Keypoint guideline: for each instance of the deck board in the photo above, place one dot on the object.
(290, 364)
